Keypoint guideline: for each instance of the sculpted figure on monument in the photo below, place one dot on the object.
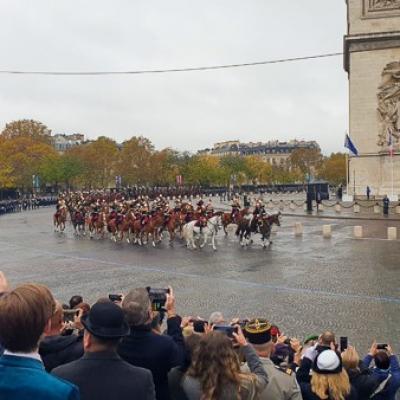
(382, 4)
(389, 103)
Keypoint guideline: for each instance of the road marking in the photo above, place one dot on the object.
(277, 288)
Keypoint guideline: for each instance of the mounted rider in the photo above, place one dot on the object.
(259, 208)
(235, 207)
(209, 208)
(61, 205)
(145, 213)
(201, 210)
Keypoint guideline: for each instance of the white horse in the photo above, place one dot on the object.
(191, 232)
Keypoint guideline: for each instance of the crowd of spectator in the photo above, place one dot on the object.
(24, 204)
(136, 346)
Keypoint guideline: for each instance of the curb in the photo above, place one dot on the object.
(341, 217)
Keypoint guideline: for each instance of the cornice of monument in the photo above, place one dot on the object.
(368, 42)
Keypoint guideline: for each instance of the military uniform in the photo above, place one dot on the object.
(282, 383)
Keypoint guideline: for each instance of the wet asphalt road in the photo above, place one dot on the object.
(304, 285)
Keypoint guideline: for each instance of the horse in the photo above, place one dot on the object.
(78, 221)
(171, 224)
(265, 226)
(152, 227)
(191, 232)
(114, 226)
(97, 222)
(59, 219)
(128, 225)
(228, 219)
(246, 226)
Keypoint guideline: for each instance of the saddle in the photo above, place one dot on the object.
(119, 219)
(201, 222)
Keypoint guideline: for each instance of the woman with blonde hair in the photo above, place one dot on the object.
(363, 382)
(329, 381)
(215, 370)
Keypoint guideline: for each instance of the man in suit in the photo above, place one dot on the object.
(101, 374)
(25, 314)
(146, 349)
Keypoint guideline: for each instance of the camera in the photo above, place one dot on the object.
(158, 298)
(226, 329)
(381, 346)
(69, 315)
(115, 297)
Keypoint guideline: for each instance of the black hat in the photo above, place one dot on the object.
(106, 321)
(258, 331)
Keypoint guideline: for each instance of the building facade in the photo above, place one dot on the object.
(62, 142)
(274, 152)
(372, 61)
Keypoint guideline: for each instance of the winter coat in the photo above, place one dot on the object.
(58, 350)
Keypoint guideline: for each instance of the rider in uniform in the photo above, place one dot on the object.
(201, 210)
(235, 207)
(209, 209)
(145, 212)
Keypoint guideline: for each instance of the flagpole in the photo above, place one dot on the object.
(392, 172)
(347, 174)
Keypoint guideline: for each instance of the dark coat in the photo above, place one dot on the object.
(363, 382)
(59, 350)
(104, 376)
(158, 353)
(393, 385)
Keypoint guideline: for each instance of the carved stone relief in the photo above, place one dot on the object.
(381, 8)
(384, 4)
(389, 104)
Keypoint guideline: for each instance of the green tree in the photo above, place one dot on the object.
(258, 170)
(305, 161)
(333, 169)
(97, 161)
(135, 161)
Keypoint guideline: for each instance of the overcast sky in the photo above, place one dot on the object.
(191, 110)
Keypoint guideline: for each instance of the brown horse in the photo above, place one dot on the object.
(115, 225)
(59, 219)
(175, 220)
(227, 218)
(152, 228)
(265, 227)
(97, 224)
(127, 225)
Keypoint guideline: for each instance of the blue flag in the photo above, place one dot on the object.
(350, 145)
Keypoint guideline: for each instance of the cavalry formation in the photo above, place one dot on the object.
(139, 220)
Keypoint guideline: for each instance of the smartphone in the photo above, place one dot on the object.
(158, 298)
(381, 346)
(115, 297)
(199, 326)
(226, 329)
(344, 343)
(69, 315)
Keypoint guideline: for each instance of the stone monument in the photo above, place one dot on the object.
(372, 61)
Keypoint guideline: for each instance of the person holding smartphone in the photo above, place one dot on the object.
(216, 361)
(386, 370)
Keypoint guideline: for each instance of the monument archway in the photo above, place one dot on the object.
(372, 61)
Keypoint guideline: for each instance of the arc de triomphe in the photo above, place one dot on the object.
(372, 60)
